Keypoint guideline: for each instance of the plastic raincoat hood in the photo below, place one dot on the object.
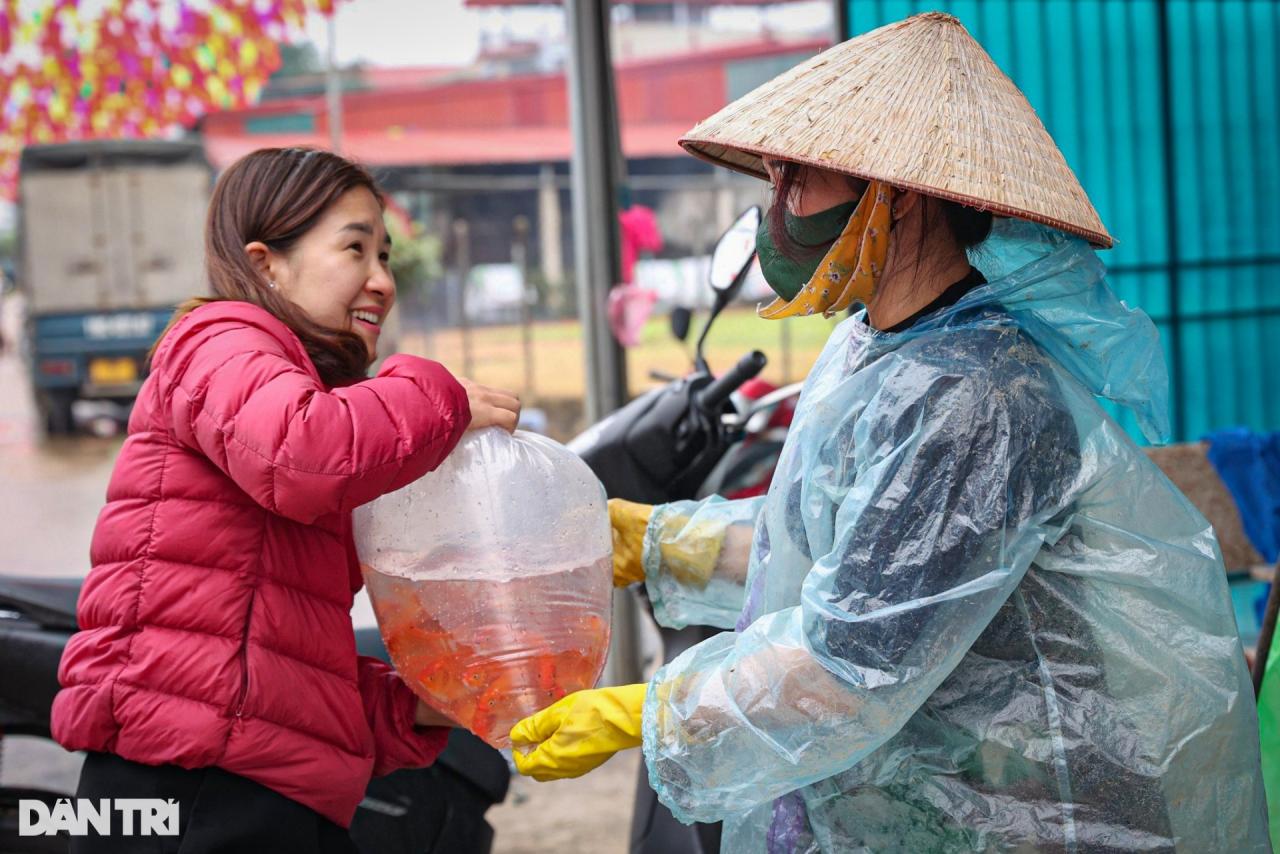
(975, 616)
(1055, 287)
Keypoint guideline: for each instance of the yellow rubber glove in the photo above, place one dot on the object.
(689, 553)
(578, 733)
(629, 521)
(691, 557)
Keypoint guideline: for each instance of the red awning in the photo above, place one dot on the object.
(446, 147)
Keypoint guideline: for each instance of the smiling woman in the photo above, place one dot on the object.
(252, 439)
(291, 250)
(338, 271)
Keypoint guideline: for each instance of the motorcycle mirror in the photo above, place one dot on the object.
(730, 261)
(734, 251)
(681, 319)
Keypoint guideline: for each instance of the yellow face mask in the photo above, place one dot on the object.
(851, 268)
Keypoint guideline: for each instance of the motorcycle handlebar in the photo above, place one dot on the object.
(748, 367)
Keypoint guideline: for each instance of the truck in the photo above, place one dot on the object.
(111, 240)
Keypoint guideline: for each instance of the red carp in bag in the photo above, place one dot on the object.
(491, 579)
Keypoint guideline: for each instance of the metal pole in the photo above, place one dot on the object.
(1171, 223)
(1267, 637)
(333, 87)
(549, 237)
(842, 21)
(594, 168)
(594, 172)
(520, 257)
(462, 255)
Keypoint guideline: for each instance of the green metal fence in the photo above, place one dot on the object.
(1167, 110)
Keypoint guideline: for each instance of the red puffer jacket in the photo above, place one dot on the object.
(215, 624)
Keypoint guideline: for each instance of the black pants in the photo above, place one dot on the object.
(217, 812)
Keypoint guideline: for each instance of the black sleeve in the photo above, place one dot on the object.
(990, 451)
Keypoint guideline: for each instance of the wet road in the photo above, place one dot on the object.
(52, 491)
(50, 495)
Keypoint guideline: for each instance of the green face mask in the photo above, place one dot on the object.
(786, 276)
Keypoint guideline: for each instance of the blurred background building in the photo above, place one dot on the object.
(1166, 109)
(488, 144)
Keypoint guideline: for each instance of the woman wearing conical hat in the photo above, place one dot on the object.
(972, 615)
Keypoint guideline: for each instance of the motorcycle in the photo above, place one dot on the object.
(669, 442)
(436, 809)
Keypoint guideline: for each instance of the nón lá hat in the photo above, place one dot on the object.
(918, 104)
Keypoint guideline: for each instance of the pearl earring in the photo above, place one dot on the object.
(271, 283)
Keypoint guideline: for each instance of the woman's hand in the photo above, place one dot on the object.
(491, 407)
(424, 715)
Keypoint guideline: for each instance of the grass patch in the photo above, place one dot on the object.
(497, 353)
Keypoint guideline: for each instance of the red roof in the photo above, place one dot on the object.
(399, 78)
(522, 119)
(455, 147)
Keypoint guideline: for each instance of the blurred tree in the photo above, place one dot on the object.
(122, 70)
(302, 74)
(416, 259)
(299, 58)
(8, 260)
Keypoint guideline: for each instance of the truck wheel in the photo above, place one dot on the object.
(54, 407)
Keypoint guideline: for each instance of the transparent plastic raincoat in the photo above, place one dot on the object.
(975, 616)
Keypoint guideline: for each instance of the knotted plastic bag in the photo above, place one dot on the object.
(491, 579)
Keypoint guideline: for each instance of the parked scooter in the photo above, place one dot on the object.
(692, 437)
(413, 811)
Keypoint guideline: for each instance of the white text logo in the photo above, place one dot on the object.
(106, 816)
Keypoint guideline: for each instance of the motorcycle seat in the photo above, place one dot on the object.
(51, 602)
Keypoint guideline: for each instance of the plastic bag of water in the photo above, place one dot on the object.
(491, 579)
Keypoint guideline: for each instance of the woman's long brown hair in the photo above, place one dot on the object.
(275, 195)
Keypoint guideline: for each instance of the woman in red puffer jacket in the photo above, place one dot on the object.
(216, 663)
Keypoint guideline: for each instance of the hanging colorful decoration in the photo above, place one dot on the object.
(132, 68)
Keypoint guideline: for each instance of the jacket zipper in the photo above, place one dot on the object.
(244, 657)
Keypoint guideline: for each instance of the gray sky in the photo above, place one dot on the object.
(402, 32)
(442, 32)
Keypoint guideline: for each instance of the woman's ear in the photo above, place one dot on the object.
(903, 202)
(260, 256)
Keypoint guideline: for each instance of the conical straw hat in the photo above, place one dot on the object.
(918, 104)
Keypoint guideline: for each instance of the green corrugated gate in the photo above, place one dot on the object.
(1167, 110)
